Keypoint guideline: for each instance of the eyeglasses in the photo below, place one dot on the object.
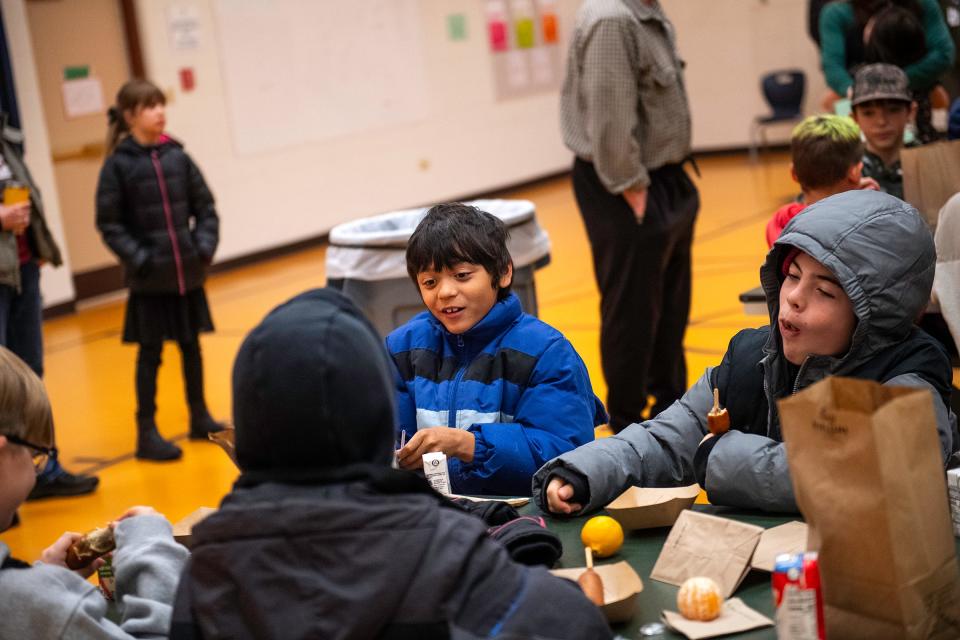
(40, 454)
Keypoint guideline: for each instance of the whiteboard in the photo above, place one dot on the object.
(303, 71)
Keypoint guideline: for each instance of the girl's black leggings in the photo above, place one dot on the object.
(148, 362)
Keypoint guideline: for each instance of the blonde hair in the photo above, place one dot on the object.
(24, 407)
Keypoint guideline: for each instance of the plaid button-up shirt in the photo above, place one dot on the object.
(624, 105)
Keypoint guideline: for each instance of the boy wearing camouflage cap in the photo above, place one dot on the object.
(882, 105)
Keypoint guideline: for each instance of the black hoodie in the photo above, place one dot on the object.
(320, 538)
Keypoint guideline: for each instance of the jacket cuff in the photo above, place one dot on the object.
(581, 488)
(138, 528)
(482, 452)
(641, 183)
(702, 457)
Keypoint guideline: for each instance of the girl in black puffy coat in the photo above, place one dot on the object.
(156, 214)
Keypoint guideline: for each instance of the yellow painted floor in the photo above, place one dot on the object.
(89, 373)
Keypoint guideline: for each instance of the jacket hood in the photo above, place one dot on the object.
(312, 389)
(882, 254)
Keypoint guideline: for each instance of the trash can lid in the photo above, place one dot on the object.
(393, 229)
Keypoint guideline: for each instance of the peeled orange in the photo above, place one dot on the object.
(603, 534)
(699, 599)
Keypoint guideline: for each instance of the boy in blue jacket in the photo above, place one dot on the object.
(495, 389)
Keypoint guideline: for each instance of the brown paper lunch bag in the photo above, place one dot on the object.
(867, 471)
(931, 175)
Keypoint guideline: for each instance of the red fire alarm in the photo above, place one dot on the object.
(187, 81)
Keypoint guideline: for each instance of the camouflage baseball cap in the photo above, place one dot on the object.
(880, 82)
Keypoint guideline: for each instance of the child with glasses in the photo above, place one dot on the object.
(46, 599)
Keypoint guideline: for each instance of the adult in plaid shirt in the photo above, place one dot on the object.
(625, 115)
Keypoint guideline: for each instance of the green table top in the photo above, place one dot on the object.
(642, 548)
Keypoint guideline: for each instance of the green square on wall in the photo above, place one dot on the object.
(76, 72)
(457, 26)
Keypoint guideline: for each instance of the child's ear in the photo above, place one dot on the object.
(855, 173)
(793, 173)
(507, 278)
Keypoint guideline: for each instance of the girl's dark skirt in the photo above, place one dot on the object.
(152, 318)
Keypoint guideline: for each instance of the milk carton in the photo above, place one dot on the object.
(435, 470)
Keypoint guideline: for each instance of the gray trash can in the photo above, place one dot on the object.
(366, 260)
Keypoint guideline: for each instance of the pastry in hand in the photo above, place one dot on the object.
(94, 544)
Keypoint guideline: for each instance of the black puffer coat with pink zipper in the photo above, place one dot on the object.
(155, 212)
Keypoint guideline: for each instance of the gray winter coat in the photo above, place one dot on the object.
(46, 601)
(883, 256)
(43, 241)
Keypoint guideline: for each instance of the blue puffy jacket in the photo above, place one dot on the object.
(512, 380)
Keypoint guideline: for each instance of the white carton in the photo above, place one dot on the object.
(435, 470)
(953, 491)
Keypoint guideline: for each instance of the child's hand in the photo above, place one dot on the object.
(458, 443)
(559, 493)
(132, 512)
(56, 554)
(15, 217)
(869, 184)
(829, 100)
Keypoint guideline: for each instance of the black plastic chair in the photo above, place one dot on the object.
(783, 91)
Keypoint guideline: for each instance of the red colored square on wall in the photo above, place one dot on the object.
(187, 81)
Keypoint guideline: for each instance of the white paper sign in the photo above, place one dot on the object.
(82, 97)
(518, 75)
(542, 66)
(183, 24)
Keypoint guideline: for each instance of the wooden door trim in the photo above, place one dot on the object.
(131, 31)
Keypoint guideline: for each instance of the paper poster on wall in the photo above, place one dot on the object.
(82, 97)
(542, 66)
(183, 25)
(299, 71)
(524, 46)
(518, 73)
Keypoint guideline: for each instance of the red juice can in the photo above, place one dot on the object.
(797, 594)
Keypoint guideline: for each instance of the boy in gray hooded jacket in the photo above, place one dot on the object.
(47, 600)
(844, 283)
